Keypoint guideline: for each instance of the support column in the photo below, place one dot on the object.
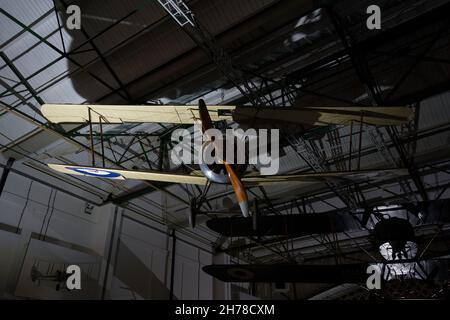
(5, 173)
(111, 250)
(172, 265)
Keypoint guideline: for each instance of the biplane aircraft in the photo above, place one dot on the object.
(59, 278)
(206, 116)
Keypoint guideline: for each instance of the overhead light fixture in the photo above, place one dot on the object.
(389, 253)
(396, 239)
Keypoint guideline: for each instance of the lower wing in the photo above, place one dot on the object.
(196, 178)
(129, 174)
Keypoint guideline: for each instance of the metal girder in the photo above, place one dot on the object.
(181, 13)
(59, 27)
(22, 81)
(255, 93)
(102, 58)
(5, 173)
(203, 69)
(61, 133)
(364, 73)
(282, 206)
(416, 61)
(64, 54)
(301, 147)
(61, 53)
(74, 50)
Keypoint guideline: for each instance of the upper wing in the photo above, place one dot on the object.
(79, 113)
(72, 113)
(319, 116)
(129, 174)
(362, 175)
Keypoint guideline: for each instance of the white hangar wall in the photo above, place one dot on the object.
(144, 261)
(47, 229)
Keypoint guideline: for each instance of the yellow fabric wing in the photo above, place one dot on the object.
(79, 113)
(362, 176)
(129, 174)
(73, 113)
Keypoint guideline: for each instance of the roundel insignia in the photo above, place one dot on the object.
(241, 274)
(100, 173)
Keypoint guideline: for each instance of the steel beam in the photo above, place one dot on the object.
(6, 170)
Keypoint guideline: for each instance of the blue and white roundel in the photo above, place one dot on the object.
(100, 173)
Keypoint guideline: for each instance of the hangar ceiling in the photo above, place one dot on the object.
(304, 53)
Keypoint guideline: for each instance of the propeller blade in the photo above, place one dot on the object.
(238, 186)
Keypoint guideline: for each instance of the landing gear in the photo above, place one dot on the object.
(193, 211)
(255, 218)
(196, 203)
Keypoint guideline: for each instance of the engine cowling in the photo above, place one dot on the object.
(217, 173)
